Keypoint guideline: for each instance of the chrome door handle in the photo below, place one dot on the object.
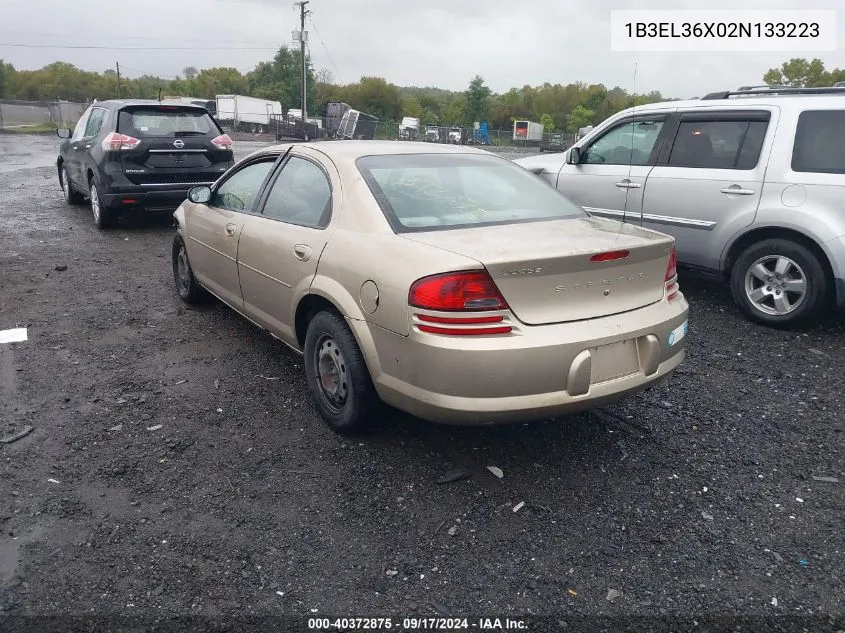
(230, 229)
(737, 190)
(627, 184)
(87, 147)
(302, 252)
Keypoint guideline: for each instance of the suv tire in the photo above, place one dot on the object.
(337, 375)
(72, 196)
(103, 214)
(779, 283)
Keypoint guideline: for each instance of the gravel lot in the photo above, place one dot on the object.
(177, 467)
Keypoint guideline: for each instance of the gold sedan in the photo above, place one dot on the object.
(445, 281)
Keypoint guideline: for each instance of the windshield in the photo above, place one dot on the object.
(424, 192)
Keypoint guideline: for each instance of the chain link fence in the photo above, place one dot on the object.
(35, 116)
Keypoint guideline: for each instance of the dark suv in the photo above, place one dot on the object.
(131, 155)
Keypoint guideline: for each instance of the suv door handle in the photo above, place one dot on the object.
(230, 229)
(737, 190)
(302, 252)
(627, 184)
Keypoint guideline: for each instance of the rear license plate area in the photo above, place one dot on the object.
(175, 160)
(614, 361)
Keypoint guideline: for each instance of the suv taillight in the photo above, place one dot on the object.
(672, 288)
(222, 142)
(470, 291)
(117, 141)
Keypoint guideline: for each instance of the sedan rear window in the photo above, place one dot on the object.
(424, 192)
(144, 122)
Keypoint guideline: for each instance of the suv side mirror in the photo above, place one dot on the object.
(64, 133)
(200, 195)
(574, 156)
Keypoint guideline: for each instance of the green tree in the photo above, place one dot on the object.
(799, 72)
(547, 122)
(7, 76)
(578, 118)
(477, 98)
(281, 79)
(190, 72)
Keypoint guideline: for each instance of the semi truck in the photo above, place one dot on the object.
(527, 131)
(357, 125)
(247, 114)
(409, 129)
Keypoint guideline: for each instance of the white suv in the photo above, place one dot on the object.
(751, 183)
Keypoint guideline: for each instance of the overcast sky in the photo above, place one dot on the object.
(409, 42)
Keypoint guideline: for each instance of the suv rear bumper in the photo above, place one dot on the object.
(166, 196)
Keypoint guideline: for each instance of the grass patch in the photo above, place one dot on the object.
(38, 128)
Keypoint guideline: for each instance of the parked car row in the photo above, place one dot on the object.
(750, 183)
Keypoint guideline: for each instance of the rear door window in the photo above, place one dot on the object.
(729, 142)
(92, 127)
(820, 142)
(166, 122)
(301, 195)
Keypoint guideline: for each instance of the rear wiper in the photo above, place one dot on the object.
(188, 133)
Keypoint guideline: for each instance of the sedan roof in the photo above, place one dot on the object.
(352, 150)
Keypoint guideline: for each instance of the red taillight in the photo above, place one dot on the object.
(222, 142)
(471, 290)
(117, 141)
(672, 288)
(609, 256)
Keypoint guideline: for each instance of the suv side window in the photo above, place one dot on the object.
(96, 119)
(719, 143)
(629, 143)
(79, 130)
(240, 189)
(820, 142)
(301, 195)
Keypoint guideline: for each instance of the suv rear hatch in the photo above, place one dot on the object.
(565, 270)
(177, 145)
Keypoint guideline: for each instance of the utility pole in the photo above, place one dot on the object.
(302, 35)
(117, 65)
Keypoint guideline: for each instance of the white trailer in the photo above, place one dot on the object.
(527, 131)
(409, 129)
(247, 114)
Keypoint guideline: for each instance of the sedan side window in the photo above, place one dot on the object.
(79, 130)
(630, 143)
(239, 190)
(301, 195)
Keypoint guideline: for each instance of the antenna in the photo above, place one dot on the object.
(631, 153)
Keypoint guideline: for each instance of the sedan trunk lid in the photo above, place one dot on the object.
(547, 271)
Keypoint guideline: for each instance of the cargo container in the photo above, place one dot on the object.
(246, 114)
(527, 131)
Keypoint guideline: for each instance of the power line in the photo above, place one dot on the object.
(146, 48)
(143, 38)
(331, 61)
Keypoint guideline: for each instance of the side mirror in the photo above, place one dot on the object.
(64, 133)
(574, 156)
(200, 195)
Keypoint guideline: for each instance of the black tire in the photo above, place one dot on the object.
(352, 406)
(782, 305)
(187, 286)
(104, 216)
(71, 195)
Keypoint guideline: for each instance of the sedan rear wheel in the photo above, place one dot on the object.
(779, 283)
(337, 374)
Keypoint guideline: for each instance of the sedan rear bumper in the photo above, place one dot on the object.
(544, 371)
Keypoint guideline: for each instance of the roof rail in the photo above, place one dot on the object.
(774, 90)
(763, 87)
